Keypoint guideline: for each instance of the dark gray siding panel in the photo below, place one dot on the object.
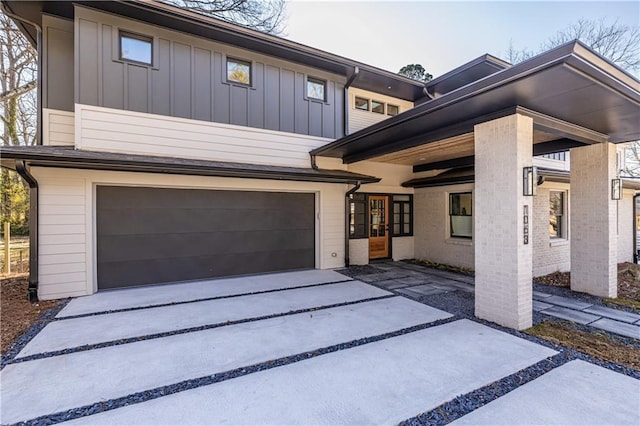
(202, 91)
(161, 81)
(188, 79)
(59, 69)
(113, 74)
(272, 98)
(287, 100)
(153, 235)
(239, 105)
(181, 80)
(221, 110)
(88, 66)
(137, 88)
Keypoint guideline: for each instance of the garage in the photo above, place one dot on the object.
(160, 235)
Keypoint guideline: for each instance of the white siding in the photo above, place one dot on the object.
(114, 130)
(626, 223)
(431, 228)
(549, 255)
(403, 248)
(359, 119)
(67, 220)
(62, 235)
(58, 127)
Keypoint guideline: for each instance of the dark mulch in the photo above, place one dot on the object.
(17, 313)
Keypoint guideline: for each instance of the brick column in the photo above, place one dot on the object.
(592, 220)
(503, 262)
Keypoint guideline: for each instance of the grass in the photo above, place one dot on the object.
(596, 344)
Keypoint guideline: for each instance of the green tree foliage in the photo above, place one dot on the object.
(415, 72)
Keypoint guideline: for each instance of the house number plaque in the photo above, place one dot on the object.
(525, 220)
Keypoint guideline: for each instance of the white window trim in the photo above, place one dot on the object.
(564, 239)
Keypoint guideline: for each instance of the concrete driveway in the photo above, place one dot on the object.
(310, 347)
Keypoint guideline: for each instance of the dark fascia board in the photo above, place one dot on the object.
(574, 54)
(484, 65)
(169, 16)
(63, 157)
(542, 148)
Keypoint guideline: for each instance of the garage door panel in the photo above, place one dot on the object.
(175, 269)
(156, 235)
(121, 248)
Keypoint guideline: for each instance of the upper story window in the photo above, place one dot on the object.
(136, 48)
(392, 109)
(362, 103)
(460, 215)
(377, 107)
(238, 71)
(316, 89)
(557, 219)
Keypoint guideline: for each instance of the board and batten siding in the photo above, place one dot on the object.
(57, 63)
(58, 127)
(113, 130)
(188, 80)
(67, 220)
(359, 119)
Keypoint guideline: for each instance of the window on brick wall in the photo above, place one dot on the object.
(557, 216)
(460, 215)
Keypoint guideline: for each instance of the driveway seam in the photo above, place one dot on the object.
(84, 348)
(184, 385)
(205, 299)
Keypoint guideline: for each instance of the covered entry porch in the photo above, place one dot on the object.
(487, 121)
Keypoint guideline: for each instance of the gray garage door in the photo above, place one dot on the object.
(158, 235)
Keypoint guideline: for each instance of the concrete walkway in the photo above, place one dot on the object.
(607, 319)
(295, 348)
(417, 281)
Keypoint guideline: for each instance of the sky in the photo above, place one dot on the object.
(439, 35)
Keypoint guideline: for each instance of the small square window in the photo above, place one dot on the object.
(136, 48)
(238, 71)
(377, 107)
(392, 109)
(316, 89)
(362, 104)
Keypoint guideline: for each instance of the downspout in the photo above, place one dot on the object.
(350, 80)
(635, 228)
(21, 168)
(5, 9)
(346, 227)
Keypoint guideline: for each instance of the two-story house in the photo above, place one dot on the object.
(177, 147)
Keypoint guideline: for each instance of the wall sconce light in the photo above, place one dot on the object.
(529, 181)
(616, 189)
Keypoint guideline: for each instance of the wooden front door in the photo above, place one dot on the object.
(378, 226)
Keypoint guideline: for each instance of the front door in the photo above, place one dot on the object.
(378, 226)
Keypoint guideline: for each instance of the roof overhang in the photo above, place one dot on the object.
(68, 157)
(168, 16)
(570, 91)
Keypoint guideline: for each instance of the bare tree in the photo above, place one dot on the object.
(617, 42)
(18, 109)
(263, 15)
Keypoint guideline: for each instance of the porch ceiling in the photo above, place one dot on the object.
(446, 149)
(570, 92)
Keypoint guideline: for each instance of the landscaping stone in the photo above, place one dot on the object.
(571, 315)
(568, 302)
(613, 314)
(613, 326)
(423, 290)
